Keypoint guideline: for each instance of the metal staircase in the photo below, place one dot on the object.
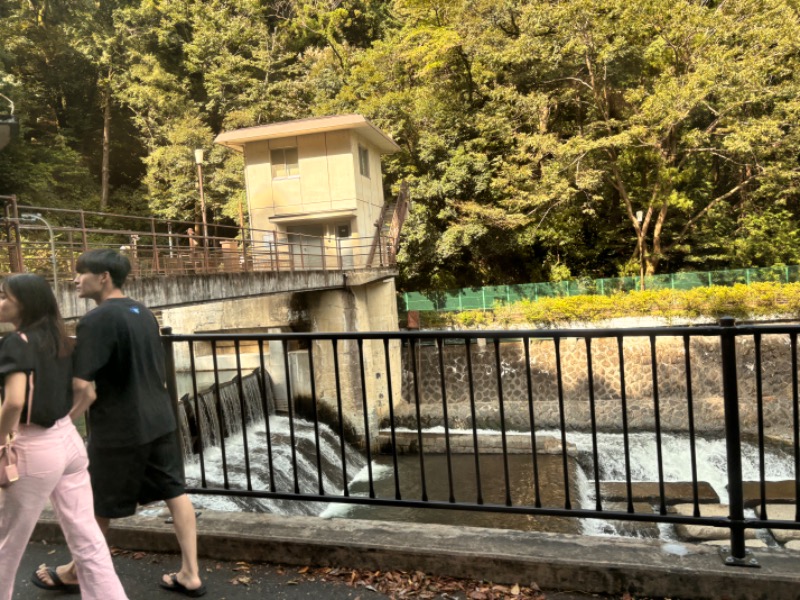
(388, 227)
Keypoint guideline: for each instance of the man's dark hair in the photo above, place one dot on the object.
(100, 261)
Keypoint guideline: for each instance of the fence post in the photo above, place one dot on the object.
(172, 382)
(155, 264)
(15, 256)
(83, 231)
(733, 447)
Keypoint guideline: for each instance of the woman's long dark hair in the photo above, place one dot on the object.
(39, 312)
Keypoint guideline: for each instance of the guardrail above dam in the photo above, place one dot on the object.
(49, 240)
(621, 431)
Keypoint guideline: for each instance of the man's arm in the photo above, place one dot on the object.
(83, 395)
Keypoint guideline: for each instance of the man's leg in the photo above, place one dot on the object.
(186, 531)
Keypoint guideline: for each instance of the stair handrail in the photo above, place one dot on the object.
(399, 218)
(379, 222)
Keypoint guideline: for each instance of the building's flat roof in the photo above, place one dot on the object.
(237, 138)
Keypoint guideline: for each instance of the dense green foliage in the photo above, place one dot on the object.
(532, 131)
(674, 306)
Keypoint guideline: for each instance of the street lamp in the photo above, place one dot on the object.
(198, 158)
(33, 217)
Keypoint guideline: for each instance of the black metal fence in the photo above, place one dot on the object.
(367, 393)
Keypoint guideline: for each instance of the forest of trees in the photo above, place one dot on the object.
(541, 139)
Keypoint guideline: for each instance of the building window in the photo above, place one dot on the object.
(363, 160)
(284, 163)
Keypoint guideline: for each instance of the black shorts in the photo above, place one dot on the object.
(131, 475)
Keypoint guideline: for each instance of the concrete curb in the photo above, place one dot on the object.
(552, 561)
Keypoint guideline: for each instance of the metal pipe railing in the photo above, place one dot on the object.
(167, 247)
(373, 394)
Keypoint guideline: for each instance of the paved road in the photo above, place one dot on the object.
(141, 571)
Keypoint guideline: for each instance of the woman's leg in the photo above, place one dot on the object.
(72, 500)
(22, 502)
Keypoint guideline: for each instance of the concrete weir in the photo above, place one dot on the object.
(552, 561)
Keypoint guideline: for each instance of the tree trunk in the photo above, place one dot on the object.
(104, 173)
(642, 258)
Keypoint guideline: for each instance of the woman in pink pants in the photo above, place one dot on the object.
(36, 376)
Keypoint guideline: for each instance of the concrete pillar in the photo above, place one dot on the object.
(277, 370)
(376, 308)
(368, 308)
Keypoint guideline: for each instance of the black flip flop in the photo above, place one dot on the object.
(57, 585)
(177, 586)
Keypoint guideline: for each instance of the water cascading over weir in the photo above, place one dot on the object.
(233, 436)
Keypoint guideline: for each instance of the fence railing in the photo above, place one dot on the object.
(48, 241)
(485, 298)
(532, 424)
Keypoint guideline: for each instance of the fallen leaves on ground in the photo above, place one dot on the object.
(134, 554)
(240, 580)
(416, 584)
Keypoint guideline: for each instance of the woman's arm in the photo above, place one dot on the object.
(14, 401)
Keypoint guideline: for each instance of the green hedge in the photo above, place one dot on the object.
(740, 301)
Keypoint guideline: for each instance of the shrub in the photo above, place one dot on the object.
(740, 301)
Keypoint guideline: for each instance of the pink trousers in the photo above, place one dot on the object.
(53, 464)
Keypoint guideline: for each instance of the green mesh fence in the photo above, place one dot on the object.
(486, 298)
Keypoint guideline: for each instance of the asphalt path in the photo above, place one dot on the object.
(140, 573)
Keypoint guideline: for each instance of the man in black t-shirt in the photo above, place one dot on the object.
(134, 454)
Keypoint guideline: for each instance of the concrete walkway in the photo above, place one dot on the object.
(140, 573)
(587, 565)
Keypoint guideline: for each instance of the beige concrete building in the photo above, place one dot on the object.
(315, 184)
(315, 198)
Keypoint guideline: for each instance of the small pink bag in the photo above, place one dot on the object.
(8, 464)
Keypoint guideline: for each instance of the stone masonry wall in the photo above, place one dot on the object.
(670, 373)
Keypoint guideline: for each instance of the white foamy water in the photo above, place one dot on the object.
(676, 462)
(314, 463)
(711, 454)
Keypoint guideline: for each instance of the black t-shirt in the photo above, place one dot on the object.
(119, 348)
(52, 377)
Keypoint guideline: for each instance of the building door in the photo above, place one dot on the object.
(306, 246)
